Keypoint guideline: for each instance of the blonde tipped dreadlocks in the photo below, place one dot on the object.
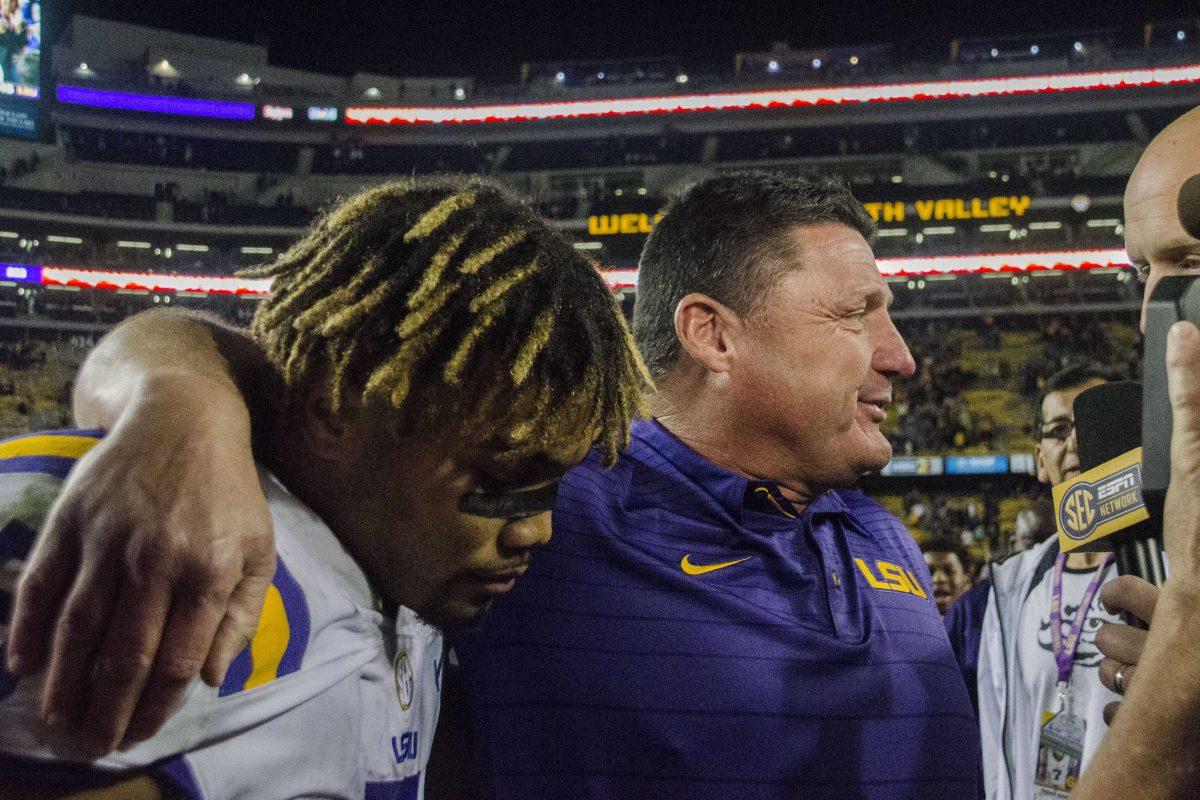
(450, 302)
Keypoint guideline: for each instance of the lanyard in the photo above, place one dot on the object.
(1064, 650)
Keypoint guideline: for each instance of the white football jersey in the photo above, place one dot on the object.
(329, 700)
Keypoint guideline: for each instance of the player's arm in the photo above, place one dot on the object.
(1152, 750)
(154, 562)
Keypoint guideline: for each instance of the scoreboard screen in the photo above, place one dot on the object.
(20, 66)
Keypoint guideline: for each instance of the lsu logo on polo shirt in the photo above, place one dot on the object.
(890, 577)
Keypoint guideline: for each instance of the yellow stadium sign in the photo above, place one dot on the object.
(944, 209)
(949, 209)
(612, 224)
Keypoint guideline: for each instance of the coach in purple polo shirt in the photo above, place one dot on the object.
(718, 615)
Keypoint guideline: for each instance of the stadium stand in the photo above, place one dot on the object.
(999, 201)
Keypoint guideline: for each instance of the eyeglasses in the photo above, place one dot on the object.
(1059, 429)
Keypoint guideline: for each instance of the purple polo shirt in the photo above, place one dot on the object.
(686, 634)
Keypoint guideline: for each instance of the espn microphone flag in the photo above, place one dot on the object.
(1107, 508)
(1096, 504)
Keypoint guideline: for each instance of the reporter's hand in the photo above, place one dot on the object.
(1122, 644)
(1181, 512)
(151, 568)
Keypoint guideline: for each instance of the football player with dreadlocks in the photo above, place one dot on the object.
(433, 358)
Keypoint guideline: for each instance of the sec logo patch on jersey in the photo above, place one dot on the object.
(406, 681)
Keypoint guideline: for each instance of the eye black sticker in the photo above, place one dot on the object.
(510, 505)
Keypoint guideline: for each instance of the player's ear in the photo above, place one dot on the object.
(328, 434)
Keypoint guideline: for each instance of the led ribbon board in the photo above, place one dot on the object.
(148, 281)
(155, 104)
(617, 279)
(982, 264)
(776, 98)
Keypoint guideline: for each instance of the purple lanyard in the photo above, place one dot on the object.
(1064, 651)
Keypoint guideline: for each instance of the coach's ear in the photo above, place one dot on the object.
(707, 330)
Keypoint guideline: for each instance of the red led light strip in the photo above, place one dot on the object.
(617, 279)
(775, 98)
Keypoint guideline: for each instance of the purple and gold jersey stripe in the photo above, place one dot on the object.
(51, 453)
(279, 644)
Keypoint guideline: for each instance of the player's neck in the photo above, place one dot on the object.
(1081, 561)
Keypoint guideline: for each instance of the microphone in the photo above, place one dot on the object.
(1175, 298)
(1105, 508)
(1189, 206)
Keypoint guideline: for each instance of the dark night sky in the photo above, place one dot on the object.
(489, 39)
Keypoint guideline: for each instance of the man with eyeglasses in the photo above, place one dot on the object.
(1037, 656)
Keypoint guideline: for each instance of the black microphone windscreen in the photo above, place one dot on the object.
(1189, 206)
(1108, 422)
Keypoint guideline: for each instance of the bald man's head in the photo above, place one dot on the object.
(1157, 243)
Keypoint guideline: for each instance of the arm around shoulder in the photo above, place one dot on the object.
(158, 552)
(174, 355)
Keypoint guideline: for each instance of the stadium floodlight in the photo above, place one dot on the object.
(64, 239)
(1180, 35)
(560, 76)
(460, 93)
(600, 76)
(164, 69)
(641, 190)
(854, 61)
(257, 251)
(995, 53)
(897, 179)
(134, 245)
(1079, 47)
(246, 80)
(816, 63)
(84, 71)
(790, 97)
(1033, 49)
(192, 248)
(372, 92)
(773, 66)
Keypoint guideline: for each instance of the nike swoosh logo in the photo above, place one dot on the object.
(688, 567)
